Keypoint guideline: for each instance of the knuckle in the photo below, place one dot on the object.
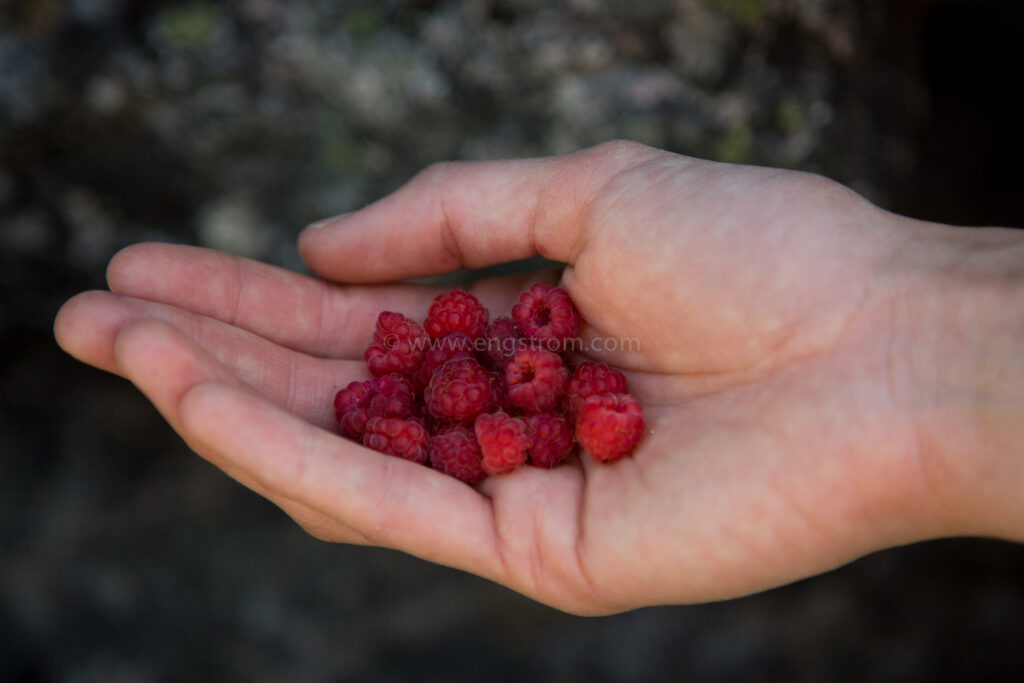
(621, 148)
(438, 172)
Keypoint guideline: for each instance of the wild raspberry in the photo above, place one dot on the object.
(536, 379)
(503, 440)
(454, 450)
(454, 345)
(550, 439)
(546, 315)
(398, 345)
(609, 426)
(591, 379)
(459, 391)
(500, 342)
(405, 437)
(387, 396)
(456, 311)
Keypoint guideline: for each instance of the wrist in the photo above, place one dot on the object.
(959, 315)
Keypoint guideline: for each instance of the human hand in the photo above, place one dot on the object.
(758, 314)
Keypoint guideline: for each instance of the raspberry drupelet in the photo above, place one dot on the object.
(459, 391)
(501, 342)
(536, 379)
(454, 345)
(609, 426)
(591, 379)
(504, 442)
(546, 315)
(455, 451)
(398, 345)
(386, 396)
(456, 311)
(550, 439)
(405, 437)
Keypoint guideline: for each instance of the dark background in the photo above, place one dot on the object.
(231, 125)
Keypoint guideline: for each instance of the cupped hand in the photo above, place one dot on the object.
(754, 312)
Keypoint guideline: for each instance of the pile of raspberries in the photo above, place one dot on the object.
(473, 398)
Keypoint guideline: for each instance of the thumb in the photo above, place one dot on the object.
(469, 214)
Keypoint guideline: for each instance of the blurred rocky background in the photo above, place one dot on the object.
(232, 124)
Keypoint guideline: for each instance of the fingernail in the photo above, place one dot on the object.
(321, 223)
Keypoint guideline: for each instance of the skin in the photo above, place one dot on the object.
(821, 379)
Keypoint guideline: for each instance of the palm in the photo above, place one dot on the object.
(749, 477)
(763, 361)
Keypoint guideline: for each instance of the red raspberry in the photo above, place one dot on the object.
(503, 440)
(591, 379)
(456, 311)
(405, 437)
(536, 379)
(609, 426)
(454, 345)
(550, 439)
(387, 396)
(454, 450)
(546, 315)
(459, 391)
(398, 345)
(501, 341)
